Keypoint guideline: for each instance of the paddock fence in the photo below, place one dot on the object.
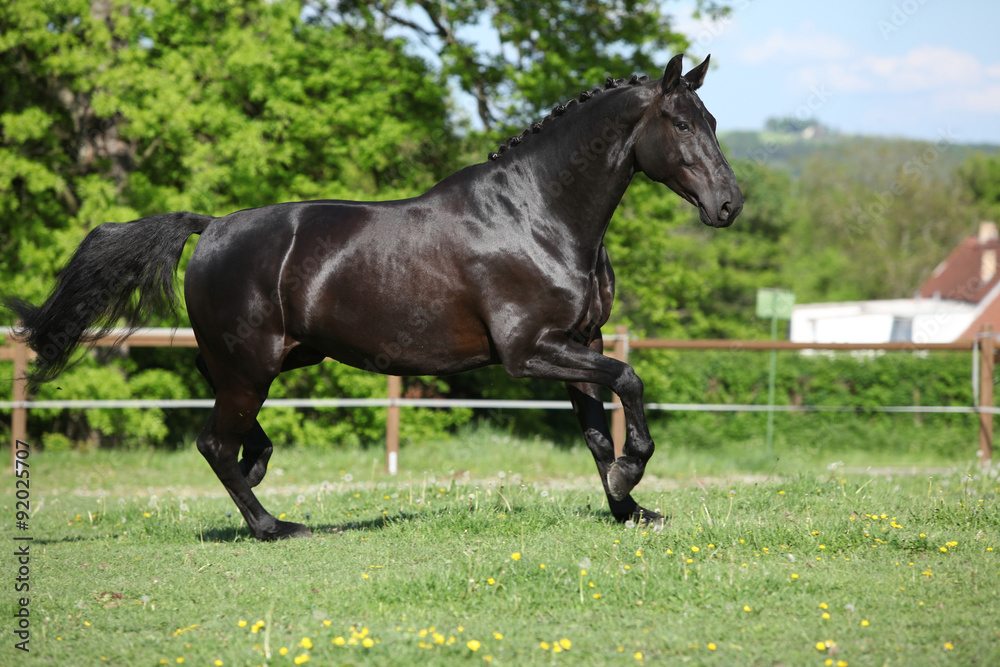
(983, 349)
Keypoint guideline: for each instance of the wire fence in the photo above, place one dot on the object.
(983, 349)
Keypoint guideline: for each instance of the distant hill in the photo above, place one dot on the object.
(790, 151)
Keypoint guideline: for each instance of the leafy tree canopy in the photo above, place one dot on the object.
(518, 58)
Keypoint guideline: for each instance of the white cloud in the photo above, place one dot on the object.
(806, 44)
(945, 78)
(984, 99)
(925, 68)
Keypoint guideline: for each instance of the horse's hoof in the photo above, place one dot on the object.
(287, 529)
(649, 518)
(623, 475)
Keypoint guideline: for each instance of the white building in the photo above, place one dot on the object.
(960, 296)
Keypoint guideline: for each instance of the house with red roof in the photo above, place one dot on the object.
(961, 295)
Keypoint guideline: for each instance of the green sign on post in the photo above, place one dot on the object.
(774, 304)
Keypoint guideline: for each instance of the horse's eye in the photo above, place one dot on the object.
(682, 127)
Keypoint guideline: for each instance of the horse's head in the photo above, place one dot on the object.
(676, 146)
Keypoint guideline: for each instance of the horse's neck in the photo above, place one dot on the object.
(580, 167)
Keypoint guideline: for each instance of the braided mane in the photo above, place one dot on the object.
(560, 109)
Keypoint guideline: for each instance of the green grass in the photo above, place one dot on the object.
(139, 558)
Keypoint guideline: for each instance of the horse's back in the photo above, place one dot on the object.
(381, 285)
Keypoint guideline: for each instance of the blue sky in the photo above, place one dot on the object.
(913, 68)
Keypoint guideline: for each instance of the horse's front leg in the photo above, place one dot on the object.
(589, 409)
(557, 357)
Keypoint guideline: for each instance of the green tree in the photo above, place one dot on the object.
(112, 111)
(875, 221)
(980, 178)
(518, 58)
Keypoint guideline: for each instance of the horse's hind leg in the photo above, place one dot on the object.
(257, 447)
(232, 419)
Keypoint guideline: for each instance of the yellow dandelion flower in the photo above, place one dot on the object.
(864, 623)
(826, 616)
(306, 643)
(711, 646)
(556, 648)
(820, 646)
(794, 576)
(516, 555)
(283, 650)
(541, 566)
(368, 642)
(565, 643)
(339, 641)
(242, 623)
(597, 596)
(543, 645)
(637, 655)
(948, 646)
(491, 581)
(473, 644)
(695, 549)
(497, 635)
(639, 553)
(218, 663)
(823, 605)
(746, 607)
(302, 658)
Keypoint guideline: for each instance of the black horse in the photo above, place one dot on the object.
(500, 263)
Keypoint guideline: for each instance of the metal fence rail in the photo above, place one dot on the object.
(983, 349)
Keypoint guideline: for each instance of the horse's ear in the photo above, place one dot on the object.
(696, 77)
(672, 74)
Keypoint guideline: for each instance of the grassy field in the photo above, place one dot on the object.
(494, 549)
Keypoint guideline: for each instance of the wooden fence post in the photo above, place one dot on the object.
(620, 352)
(987, 342)
(19, 416)
(392, 426)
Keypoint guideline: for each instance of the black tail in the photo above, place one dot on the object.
(96, 288)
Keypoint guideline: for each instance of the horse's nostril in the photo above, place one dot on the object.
(726, 211)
